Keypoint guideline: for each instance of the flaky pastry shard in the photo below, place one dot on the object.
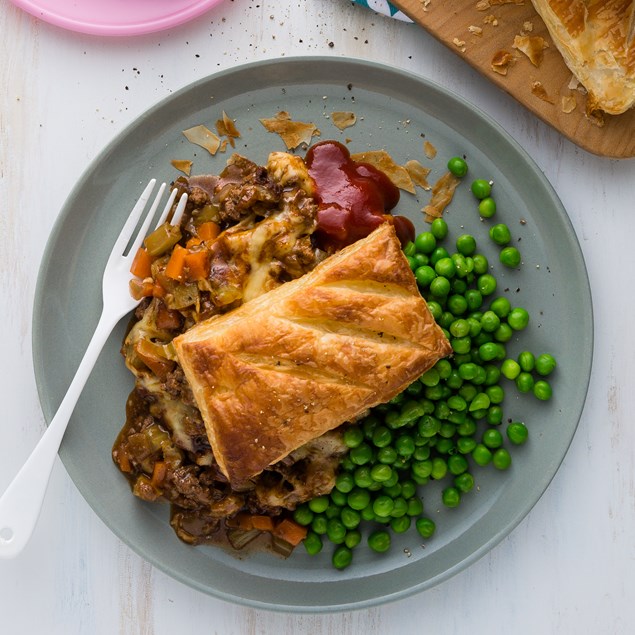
(293, 363)
(597, 41)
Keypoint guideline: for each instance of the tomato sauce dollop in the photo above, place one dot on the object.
(353, 198)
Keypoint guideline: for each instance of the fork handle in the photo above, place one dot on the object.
(21, 503)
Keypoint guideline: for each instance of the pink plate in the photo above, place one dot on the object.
(116, 17)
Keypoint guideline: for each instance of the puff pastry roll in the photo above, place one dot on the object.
(597, 40)
(293, 363)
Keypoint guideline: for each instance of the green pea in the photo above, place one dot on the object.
(318, 524)
(545, 364)
(435, 309)
(474, 299)
(464, 482)
(487, 207)
(350, 518)
(445, 267)
(362, 477)
(461, 345)
(457, 166)
(510, 369)
(318, 504)
(517, 432)
(503, 333)
(382, 437)
(542, 390)
(335, 531)
(490, 321)
(494, 415)
(401, 524)
(460, 328)
(501, 459)
(463, 268)
(425, 242)
(405, 445)
(444, 368)
(500, 234)
(312, 543)
(342, 557)
(426, 527)
(420, 260)
(457, 304)
(501, 306)
(353, 538)
(518, 318)
(438, 254)
(358, 498)
(379, 541)
(481, 265)
(480, 402)
(488, 351)
(362, 454)
(495, 393)
(492, 438)
(439, 468)
(344, 482)
(451, 497)
(425, 275)
(525, 382)
(387, 455)
(526, 361)
(466, 244)
(482, 455)
(457, 464)
(415, 507)
(487, 284)
(353, 436)
(409, 249)
(509, 257)
(380, 473)
(337, 498)
(465, 445)
(440, 287)
(439, 228)
(481, 188)
(303, 515)
(421, 469)
(467, 429)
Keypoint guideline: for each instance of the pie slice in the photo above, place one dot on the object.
(597, 41)
(293, 363)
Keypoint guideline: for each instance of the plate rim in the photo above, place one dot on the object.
(141, 27)
(494, 539)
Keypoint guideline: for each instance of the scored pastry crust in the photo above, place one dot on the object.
(596, 40)
(293, 363)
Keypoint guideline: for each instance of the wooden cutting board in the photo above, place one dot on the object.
(452, 22)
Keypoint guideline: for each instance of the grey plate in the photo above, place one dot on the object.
(396, 111)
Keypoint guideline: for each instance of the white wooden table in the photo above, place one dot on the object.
(570, 565)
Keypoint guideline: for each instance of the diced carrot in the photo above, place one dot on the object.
(141, 288)
(193, 242)
(290, 531)
(159, 473)
(147, 352)
(208, 230)
(158, 291)
(196, 265)
(123, 461)
(264, 523)
(167, 318)
(174, 268)
(141, 264)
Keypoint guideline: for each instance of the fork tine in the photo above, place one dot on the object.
(132, 221)
(180, 208)
(146, 222)
(167, 208)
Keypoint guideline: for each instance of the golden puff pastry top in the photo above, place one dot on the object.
(300, 360)
(597, 40)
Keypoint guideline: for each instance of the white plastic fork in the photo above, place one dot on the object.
(21, 503)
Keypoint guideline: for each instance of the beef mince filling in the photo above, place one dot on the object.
(264, 220)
